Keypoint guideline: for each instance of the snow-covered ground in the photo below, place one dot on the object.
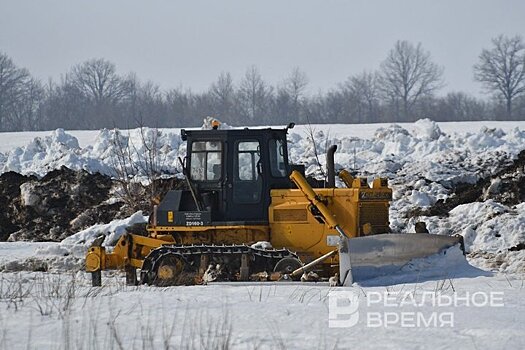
(423, 161)
(48, 311)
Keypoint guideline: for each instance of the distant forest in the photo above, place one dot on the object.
(404, 88)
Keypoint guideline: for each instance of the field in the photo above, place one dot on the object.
(61, 311)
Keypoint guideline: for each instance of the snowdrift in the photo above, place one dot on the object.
(425, 165)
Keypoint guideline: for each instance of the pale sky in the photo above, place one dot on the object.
(191, 42)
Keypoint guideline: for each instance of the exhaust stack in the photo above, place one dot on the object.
(330, 167)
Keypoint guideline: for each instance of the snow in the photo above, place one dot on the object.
(63, 312)
(420, 199)
(262, 245)
(20, 250)
(422, 161)
(101, 154)
(11, 140)
(427, 129)
(112, 231)
(487, 227)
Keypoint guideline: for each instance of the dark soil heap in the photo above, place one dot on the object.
(66, 201)
(61, 203)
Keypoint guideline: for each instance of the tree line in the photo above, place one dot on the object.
(93, 95)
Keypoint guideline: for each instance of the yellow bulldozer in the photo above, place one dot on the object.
(241, 191)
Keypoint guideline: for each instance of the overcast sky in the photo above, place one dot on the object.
(191, 42)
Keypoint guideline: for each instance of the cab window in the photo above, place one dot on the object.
(206, 161)
(248, 155)
(277, 164)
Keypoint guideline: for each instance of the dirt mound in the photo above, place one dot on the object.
(66, 201)
(507, 186)
(52, 208)
(10, 193)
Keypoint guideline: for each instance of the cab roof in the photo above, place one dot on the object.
(225, 133)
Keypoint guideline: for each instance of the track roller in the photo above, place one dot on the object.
(286, 266)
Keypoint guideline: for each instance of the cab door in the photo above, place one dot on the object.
(246, 198)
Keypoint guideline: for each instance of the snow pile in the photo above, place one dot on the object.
(428, 130)
(425, 152)
(109, 151)
(69, 254)
(40, 256)
(112, 231)
(20, 250)
(489, 227)
(105, 155)
(423, 163)
(47, 153)
(420, 199)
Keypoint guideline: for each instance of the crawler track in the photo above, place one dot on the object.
(196, 258)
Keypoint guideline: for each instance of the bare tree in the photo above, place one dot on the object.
(502, 69)
(362, 93)
(13, 83)
(331, 107)
(150, 107)
(97, 78)
(295, 85)
(25, 112)
(138, 166)
(180, 107)
(223, 96)
(282, 107)
(519, 105)
(289, 100)
(98, 82)
(65, 106)
(408, 74)
(460, 106)
(254, 95)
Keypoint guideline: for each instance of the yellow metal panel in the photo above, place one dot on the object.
(347, 178)
(242, 234)
(309, 238)
(290, 214)
(95, 259)
(159, 229)
(150, 242)
(136, 263)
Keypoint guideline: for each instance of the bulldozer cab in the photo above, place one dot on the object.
(232, 171)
